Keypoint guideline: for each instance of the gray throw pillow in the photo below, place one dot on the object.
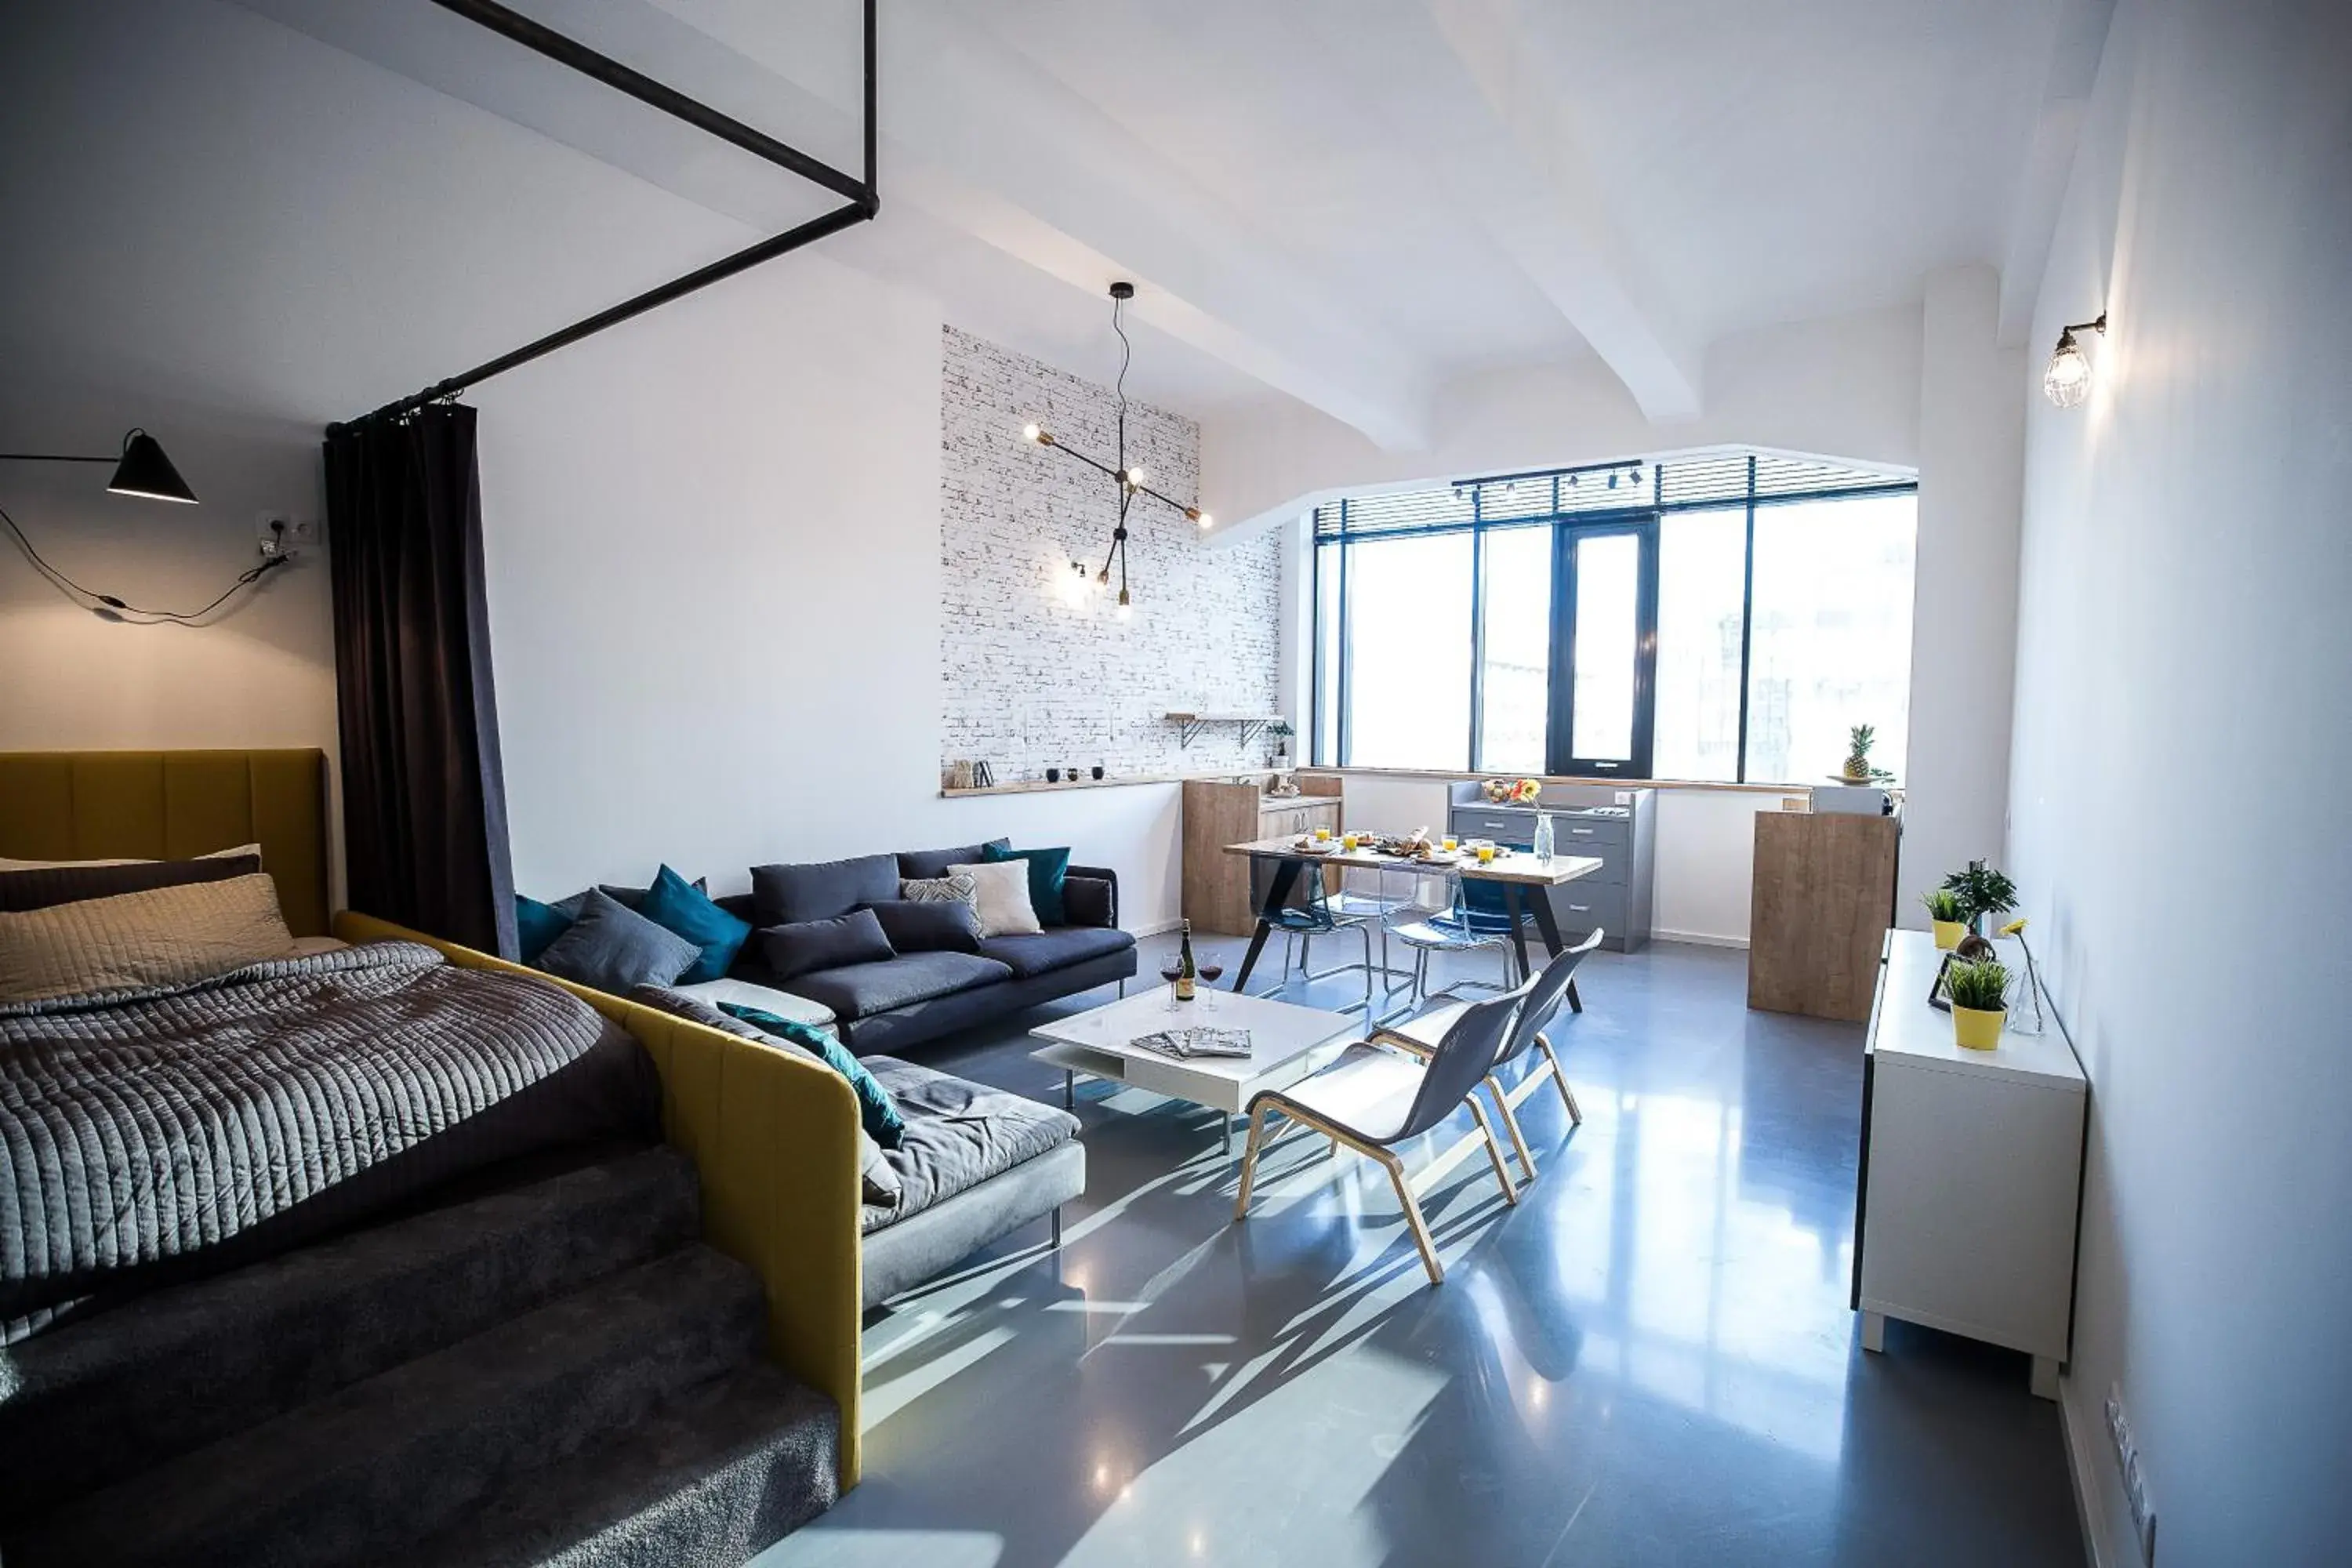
(877, 1179)
(611, 947)
(916, 926)
(806, 946)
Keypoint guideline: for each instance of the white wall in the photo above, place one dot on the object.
(719, 662)
(1964, 610)
(2178, 765)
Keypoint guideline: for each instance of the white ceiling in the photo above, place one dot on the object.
(1346, 202)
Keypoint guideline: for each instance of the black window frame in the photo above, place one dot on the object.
(1639, 517)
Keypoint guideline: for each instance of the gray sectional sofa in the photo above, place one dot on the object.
(916, 997)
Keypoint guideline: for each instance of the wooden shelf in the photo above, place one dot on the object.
(1038, 787)
(1193, 723)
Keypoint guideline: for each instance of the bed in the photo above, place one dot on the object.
(148, 1132)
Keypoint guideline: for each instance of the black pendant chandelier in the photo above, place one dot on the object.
(1129, 479)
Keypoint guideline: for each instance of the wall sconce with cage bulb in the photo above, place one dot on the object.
(2068, 380)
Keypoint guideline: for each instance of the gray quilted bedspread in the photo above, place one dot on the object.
(140, 1127)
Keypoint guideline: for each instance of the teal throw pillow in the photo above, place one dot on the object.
(1048, 870)
(677, 905)
(537, 926)
(877, 1111)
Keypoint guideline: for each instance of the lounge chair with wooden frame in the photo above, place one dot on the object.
(1372, 1098)
(1539, 1005)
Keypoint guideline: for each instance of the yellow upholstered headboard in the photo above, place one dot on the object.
(169, 806)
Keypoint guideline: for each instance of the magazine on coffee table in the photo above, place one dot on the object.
(1200, 1041)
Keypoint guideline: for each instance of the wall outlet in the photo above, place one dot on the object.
(281, 534)
(1625, 797)
(2134, 1477)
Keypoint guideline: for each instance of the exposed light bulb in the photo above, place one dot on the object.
(1135, 475)
(1203, 518)
(1126, 610)
(1102, 579)
(2068, 380)
(1030, 432)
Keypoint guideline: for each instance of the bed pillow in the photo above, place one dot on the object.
(159, 937)
(877, 1111)
(8, 865)
(1002, 887)
(44, 887)
(611, 947)
(875, 1175)
(914, 925)
(1048, 868)
(677, 905)
(804, 947)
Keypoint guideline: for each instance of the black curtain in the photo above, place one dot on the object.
(424, 816)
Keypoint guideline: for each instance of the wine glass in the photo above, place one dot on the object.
(1172, 969)
(1211, 970)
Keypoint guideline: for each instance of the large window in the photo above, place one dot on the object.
(1724, 619)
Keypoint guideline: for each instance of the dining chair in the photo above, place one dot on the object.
(1372, 1098)
(1445, 925)
(1309, 914)
(1539, 1003)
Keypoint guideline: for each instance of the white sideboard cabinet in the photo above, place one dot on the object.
(1971, 1174)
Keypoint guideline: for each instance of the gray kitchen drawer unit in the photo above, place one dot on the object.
(1585, 903)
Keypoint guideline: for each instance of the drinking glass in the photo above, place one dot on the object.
(1210, 973)
(1449, 843)
(1485, 854)
(1171, 972)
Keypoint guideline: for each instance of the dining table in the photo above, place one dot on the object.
(1512, 870)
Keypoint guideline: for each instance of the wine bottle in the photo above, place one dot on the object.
(1185, 969)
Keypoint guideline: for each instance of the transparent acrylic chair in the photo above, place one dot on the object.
(1444, 924)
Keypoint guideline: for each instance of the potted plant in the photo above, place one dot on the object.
(1978, 989)
(1948, 915)
(1983, 891)
(1858, 769)
(1281, 731)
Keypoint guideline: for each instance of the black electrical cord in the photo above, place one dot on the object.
(152, 617)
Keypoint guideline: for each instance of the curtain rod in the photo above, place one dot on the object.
(864, 196)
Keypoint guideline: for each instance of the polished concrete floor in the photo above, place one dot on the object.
(1649, 1361)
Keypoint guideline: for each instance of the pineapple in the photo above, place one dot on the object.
(1857, 762)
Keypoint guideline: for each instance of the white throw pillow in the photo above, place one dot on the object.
(1003, 905)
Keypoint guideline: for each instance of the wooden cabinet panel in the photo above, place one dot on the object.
(1823, 898)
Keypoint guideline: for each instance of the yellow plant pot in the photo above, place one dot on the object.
(1977, 1029)
(1948, 934)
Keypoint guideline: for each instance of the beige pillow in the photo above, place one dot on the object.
(8, 865)
(1002, 897)
(169, 936)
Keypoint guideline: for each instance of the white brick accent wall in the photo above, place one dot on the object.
(1038, 671)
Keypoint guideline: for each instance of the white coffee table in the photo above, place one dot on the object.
(1286, 1043)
